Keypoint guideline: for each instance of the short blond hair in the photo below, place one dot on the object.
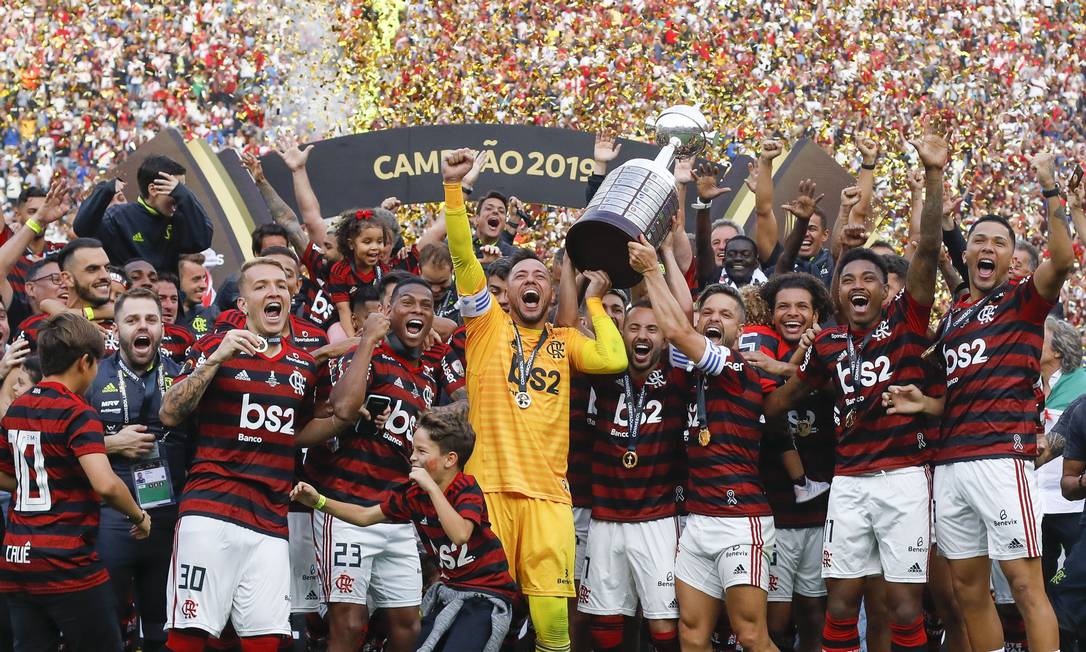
(256, 262)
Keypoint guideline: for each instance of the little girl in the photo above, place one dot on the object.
(360, 238)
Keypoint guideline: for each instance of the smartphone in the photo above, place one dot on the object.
(377, 404)
(1076, 177)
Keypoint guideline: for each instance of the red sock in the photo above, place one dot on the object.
(269, 643)
(908, 637)
(606, 633)
(840, 635)
(181, 641)
(665, 641)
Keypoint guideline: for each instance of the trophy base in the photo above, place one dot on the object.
(599, 243)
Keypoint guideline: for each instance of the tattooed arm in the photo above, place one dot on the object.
(1056, 443)
(181, 399)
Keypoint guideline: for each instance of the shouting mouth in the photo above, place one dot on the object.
(986, 268)
(141, 344)
(530, 297)
(714, 333)
(414, 326)
(642, 352)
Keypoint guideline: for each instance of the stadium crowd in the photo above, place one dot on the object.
(411, 429)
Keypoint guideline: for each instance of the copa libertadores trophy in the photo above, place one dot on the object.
(638, 197)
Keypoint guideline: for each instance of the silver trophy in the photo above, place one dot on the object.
(636, 198)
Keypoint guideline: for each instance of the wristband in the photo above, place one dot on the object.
(33, 225)
(701, 205)
(321, 502)
(1047, 194)
(88, 312)
(865, 166)
(467, 189)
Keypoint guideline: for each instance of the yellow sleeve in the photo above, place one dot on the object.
(604, 355)
(469, 271)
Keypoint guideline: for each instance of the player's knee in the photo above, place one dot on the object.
(606, 632)
(751, 635)
(665, 636)
(693, 630)
(905, 611)
(550, 617)
(347, 624)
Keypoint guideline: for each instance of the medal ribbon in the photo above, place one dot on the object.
(633, 410)
(525, 366)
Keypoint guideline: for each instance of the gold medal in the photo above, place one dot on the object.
(803, 428)
(850, 419)
(629, 459)
(703, 437)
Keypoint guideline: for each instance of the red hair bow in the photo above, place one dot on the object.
(360, 215)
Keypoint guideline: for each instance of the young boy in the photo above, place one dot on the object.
(470, 606)
(54, 462)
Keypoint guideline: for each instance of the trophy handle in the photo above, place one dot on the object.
(667, 155)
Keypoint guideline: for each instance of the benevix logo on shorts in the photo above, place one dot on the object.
(919, 547)
(667, 581)
(1004, 520)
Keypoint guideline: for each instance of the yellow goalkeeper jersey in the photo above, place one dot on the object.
(520, 450)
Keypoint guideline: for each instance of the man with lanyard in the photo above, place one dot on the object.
(635, 448)
(877, 520)
(151, 459)
(519, 397)
(986, 498)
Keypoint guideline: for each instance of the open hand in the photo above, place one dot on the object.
(932, 147)
(57, 203)
(254, 166)
(293, 154)
(606, 148)
(706, 178)
(805, 203)
(164, 184)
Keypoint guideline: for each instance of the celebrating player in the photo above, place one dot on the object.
(519, 397)
(380, 565)
(878, 515)
(635, 448)
(252, 395)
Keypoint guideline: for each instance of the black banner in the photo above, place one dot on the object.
(538, 165)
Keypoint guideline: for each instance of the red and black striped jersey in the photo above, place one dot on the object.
(650, 489)
(768, 341)
(315, 264)
(53, 520)
(245, 424)
(872, 440)
(304, 335)
(459, 342)
(722, 474)
(343, 279)
(176, 341)
(366, 466)
(478, 565)
(810, 430)
(992, 363)
(29, 328)
(582, 423)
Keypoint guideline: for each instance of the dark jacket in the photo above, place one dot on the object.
(132, 230)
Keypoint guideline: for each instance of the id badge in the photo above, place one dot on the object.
(152, 482)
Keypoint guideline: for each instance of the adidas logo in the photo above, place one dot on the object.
(398, 383)
(242, 376)
(1015, 544)
(739, 570)
(138, 237)
(673, 605)
(109, 388)
(915, 568)
(312, 595)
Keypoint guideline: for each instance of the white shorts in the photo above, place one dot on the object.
(796, 565)
(627, 563)
(379, 562)
(304, 583)
(581, 518)
(878, 523)
(988, 508)
(222, 571)
(717, 552)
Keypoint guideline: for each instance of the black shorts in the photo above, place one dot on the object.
(1067, 592)
(88, 620)
(468, 633)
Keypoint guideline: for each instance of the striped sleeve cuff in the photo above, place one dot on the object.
(476, 304)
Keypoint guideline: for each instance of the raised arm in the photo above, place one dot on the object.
(934, 154)
(296, 157)
(684, 174)
(56, 206)
(281, 213)
(705, 178)
(470, 278)
(89, 216)
(801, 208)
(606, 354)
(673, 272)
(1076, 204)
(1051, 273)
(765, 222)
(674, 324)
(568, 295)
(869, 155)
(915, 179)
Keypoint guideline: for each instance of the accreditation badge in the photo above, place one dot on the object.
(151, 478)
